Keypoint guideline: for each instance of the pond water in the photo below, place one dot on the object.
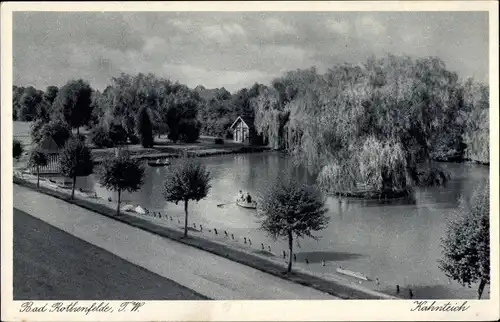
(399, 242)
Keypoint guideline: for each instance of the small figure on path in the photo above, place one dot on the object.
(397, 289)
(194, 225)
(250, 241)
(323, 262)
(307, 261)
(378, 282)
(245, 239)
(232, 236)
(269, 247)
(201, 228)
(225, 233)
(410, 292)
(215, 230)
(262, 244)
(171, 218)
(109, 199)
(294, 257)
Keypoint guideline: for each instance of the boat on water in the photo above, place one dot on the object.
(140, 210)
(159, 163)
(128, 208)
(245, 204)
(347, 272)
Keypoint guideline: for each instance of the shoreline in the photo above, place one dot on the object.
(340, 288)
(200, 153)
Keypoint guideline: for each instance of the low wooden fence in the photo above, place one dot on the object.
(53, 166)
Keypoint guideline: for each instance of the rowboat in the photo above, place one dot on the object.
(159, 163)
(244, 204)
(140, 210)
(352, 274)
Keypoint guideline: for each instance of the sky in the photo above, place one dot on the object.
(234, 49)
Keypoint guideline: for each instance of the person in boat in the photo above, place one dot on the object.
(240, 196)
(249, 198)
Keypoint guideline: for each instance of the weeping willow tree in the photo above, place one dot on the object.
(271, 116)
(476, 121)
(367, 126)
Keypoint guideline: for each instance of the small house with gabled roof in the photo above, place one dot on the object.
(243, 129)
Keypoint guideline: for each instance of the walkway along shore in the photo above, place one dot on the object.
(339, 289)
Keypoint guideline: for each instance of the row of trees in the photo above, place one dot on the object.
(133, 108)
(375, 123)
(288, 208)
(136, 108)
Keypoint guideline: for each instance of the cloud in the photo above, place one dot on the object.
(276, 26)
(340, 27)
(368, 25)
(234, 49)
(224, 33)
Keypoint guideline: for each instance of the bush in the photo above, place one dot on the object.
(100, 137)
(117, 134)
(134, 139)
(189, 130)
(432, 176)
(17, 149)
(219, 141)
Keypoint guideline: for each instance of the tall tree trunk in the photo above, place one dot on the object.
(186, 218)
(290, 247)
(118, 206)
(73, 190)
(37, 176)
(481, 288)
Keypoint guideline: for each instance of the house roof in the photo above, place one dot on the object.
(48, 145)
(248, 120)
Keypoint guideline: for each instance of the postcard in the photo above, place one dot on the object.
(250, 161)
